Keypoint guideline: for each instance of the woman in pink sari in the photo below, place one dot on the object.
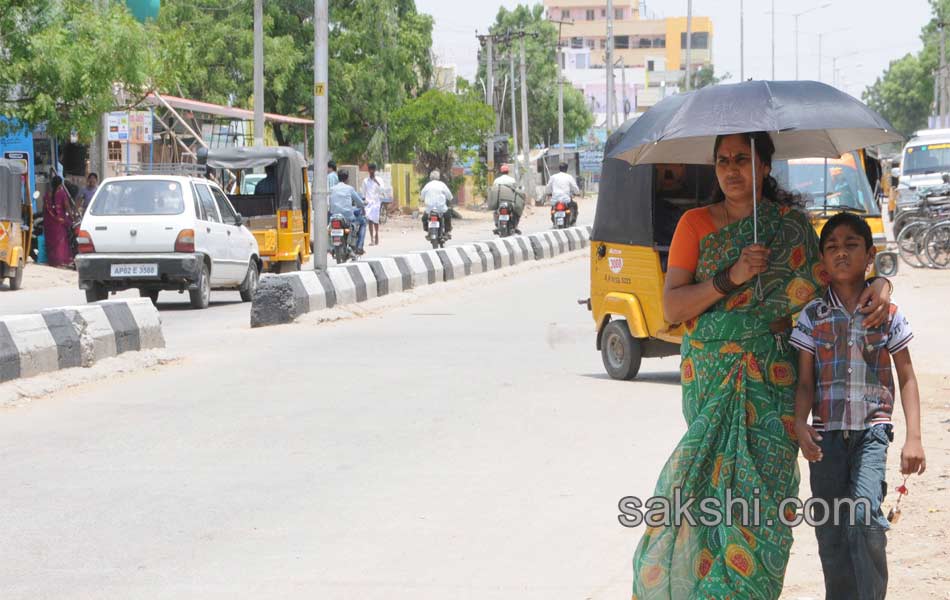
(56, 225)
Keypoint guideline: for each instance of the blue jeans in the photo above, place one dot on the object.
(853, 557)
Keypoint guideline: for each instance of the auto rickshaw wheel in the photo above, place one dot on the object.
(17, 280)
(620, 351)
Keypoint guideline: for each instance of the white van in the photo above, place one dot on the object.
(926, 158)
(164, 232)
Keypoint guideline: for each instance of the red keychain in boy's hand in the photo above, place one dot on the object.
(894, 515)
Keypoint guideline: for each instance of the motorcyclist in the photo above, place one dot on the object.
(346, 201)
(505, 188)
(436, 197)
(562, 187)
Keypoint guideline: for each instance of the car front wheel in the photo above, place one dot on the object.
(249, 286)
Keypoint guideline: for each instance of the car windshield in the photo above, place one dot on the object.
(847, 187)
(250, 182)
(926, 158)
(138, 197)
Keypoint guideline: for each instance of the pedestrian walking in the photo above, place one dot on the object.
(57, 222)
(332, 177)
(86, 193)
(373, 195)
(845, 382)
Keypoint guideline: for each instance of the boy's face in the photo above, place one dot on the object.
(845, 255)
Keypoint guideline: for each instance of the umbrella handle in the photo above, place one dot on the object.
(755, 216)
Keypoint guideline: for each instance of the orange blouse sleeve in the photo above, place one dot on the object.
(693, 226)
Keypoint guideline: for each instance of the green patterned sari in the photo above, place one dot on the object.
(738, 382)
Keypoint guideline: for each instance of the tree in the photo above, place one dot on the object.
(379, 57)
(63, 64)
(438, 127)
(541, 61)
(903, 95)
(703, 76)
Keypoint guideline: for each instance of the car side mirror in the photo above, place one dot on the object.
(238, 219)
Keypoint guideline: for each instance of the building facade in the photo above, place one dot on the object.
(651, 51)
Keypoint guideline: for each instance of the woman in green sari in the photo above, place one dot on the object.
(738, 379)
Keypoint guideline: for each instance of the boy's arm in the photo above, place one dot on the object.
(804, 400)
(912, 455)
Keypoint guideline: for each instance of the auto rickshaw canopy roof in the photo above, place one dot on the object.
(290, 167)
(11, 190)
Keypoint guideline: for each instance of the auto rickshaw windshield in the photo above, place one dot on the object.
(836, 184)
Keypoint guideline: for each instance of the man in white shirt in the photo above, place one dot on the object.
(436, 197)
(562, 187)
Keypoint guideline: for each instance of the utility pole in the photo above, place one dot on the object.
(772, 15)
(796, 46)
(819, 56)
(490, 100)
(258, 72)
(689, 45)
(610, 66)
(514, 114)
(321, 36)
(623, 89)
(741, 41)
(943, 74)
(525, 140)
(559, 55)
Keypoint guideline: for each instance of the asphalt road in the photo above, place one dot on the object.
(465, 445)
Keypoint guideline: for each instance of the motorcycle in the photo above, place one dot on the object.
(560, 215)
(342, 242)
(435, 230)
(503, 219)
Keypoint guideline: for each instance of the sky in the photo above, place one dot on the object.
(865, 34)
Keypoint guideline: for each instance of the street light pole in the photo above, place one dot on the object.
(560, 102)
(689, 45)
(741, 40)
(321, 35)
(514, 114)
(773, 40)
(610, 66)
(525, 140)
(258, 72)
(796, 46)
(490, 92)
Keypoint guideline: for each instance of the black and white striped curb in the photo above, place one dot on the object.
(283, 298)
(76, 336)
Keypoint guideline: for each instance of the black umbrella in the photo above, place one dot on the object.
(805, 119)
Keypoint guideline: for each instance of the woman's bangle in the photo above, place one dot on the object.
(890, 286)
(723, 283)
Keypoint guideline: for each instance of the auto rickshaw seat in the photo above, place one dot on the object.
(254, 205)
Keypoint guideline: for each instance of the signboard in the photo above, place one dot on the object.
(134, 127)
(21, 157)
(319, 89)
(591, 160)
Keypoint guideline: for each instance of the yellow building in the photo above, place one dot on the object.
(656, 45)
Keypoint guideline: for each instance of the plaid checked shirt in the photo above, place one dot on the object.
(855, 387)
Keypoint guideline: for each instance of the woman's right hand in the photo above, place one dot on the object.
(753, 261)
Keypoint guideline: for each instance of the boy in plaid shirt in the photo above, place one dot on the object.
(845, 382)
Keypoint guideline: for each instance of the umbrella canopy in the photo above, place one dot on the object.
(805, 119)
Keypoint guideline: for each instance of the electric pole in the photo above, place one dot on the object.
(559, 55)
(689, 45)
(741, 41)
(623, 89)
(488, 40)
(525, 140)
(610, 66)
(258, 72)
(773, 40)
(943, 74)
(514, 114)
(321, 35)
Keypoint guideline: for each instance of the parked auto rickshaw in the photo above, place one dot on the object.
(638, 208)
(279, 219)
(16, 221)
(838, 185)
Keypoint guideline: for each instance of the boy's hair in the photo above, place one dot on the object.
(847, 219)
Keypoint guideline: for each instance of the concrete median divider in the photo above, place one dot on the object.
(282, 298)
(76, 336)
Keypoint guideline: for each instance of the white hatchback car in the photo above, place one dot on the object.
(162, 232)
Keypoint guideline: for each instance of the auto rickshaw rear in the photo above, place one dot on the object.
(16, 221)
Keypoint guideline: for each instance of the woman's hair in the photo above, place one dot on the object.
(764, 150)
(56, 182)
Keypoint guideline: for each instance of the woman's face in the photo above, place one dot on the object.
(734, 169)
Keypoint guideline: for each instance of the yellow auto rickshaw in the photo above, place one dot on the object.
(16, 221)
(834, 185)
(638, 208)
(277, 208)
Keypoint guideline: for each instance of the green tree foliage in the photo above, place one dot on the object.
(703, 76)
(62, 62)
(904, 93)
(438, 127)
(540, 54)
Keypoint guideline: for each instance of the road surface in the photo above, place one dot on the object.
(466, 445)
